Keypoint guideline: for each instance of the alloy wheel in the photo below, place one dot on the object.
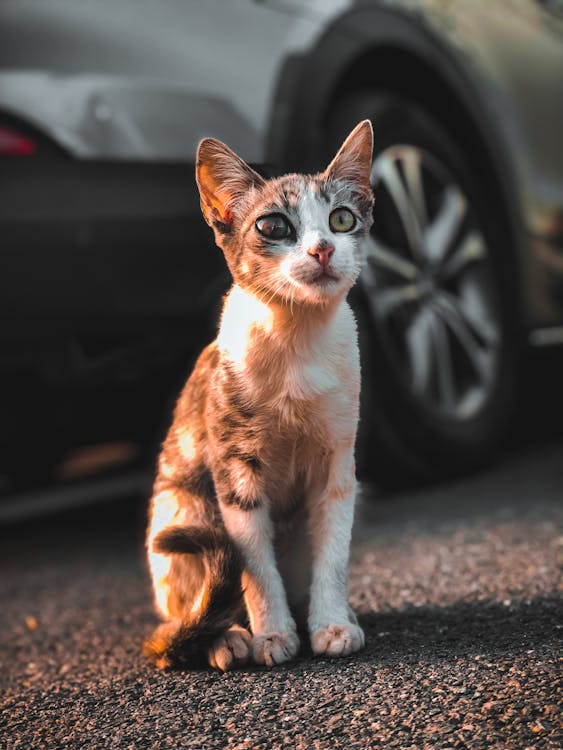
(429, 285)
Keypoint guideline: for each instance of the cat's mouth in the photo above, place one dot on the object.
(324, 276)
(324, 282)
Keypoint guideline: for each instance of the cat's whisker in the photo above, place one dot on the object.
(291, 298)
(259, 294)
(262, 288)
(277, 290)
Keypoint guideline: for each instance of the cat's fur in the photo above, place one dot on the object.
(252, 510)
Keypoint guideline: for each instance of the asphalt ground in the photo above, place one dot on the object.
(458, 588)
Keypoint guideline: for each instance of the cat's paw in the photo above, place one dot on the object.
(274, 648)
(338, 640)
(231, 650)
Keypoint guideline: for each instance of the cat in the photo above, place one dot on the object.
(251, 516)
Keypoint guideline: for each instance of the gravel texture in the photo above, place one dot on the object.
(459, 595)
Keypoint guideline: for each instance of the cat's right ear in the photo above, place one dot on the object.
(223, 178)
(353, 161)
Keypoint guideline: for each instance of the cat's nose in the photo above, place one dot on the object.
(322, 251)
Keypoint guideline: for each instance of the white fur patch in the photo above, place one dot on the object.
(242, 313)
(264, 592)
(331, 544)
(301, 268)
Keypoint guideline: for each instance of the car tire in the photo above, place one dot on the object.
(435, 302)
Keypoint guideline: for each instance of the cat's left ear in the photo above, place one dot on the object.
(222, 178)
(353, 161)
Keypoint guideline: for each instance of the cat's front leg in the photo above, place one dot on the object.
(275, 637)
(333, 627)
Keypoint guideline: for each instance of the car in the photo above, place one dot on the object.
(111, 283)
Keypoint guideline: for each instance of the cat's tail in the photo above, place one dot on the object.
(180, 644)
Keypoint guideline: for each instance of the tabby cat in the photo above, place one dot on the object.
(253, 502)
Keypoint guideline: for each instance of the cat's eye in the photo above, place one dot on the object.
(273, 226)
(342, 220)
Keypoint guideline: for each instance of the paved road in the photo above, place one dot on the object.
(458, 589)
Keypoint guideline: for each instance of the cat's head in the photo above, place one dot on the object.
(294, 238)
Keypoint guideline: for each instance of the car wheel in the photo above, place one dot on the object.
(437, 329)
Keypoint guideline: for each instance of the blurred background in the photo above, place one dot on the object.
(111, 283)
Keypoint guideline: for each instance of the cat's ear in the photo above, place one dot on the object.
(353, 161)
(222, 178)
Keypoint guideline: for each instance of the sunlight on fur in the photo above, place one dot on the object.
(200, 602)
(186, 443)
(166, 512)
(243, 314)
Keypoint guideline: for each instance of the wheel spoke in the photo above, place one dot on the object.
(386, 301)
(475, 307)
(444, 364)
(477, 354)
(385, 168)
(419, 347)
(471, 308)
(471, 249)
(389, 260)
(368, 279)
(413, 175)
(440, 233)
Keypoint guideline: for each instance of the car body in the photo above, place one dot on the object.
(111, 281)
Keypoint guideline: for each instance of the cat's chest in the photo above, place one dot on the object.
(310, 394)
(306, 382)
